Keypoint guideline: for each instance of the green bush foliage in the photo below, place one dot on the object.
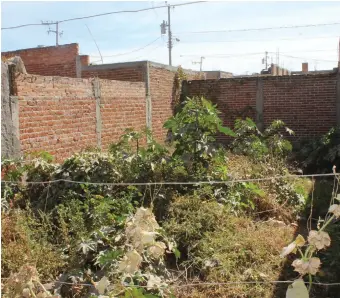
(319, 155)
(252, 142)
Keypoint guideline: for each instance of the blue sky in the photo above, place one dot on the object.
(124, 33)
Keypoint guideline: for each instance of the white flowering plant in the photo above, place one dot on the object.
(319, 239)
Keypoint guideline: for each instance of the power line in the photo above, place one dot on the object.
(260, 29)
(103, 14)
(258, 53)
(221, 55)
(251, 40)
(101, 57)
(151, 50)
(133, 51)
(305, 58)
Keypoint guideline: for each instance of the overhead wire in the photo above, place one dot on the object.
(257, 53)
(255, 40)
(133, 51)
(259, 29)
(102, 14)
(306, 58)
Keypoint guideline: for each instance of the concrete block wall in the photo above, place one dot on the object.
(308, 104)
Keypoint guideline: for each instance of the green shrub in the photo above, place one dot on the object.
(319, 155)
(252, 142)
(193, 131)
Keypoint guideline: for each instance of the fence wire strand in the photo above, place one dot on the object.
(196, 284)
(227, 182)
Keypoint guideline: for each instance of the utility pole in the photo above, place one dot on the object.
(56, 31)
(200, 63)
(163, 31)
(339, 53)
(169, 37)
(265, 59)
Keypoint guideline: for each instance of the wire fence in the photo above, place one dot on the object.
(227, 283)
(226, 182)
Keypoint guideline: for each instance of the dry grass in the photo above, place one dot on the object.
(243, 251)
(25, 246)
(238, 248)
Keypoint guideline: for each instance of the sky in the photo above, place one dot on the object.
(137, 36)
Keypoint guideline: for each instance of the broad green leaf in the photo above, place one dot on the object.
(297, 290)
(226, 131)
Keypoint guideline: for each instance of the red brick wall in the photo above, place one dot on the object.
(132, 74)
(305, 103)
(161, 89)
(234, 98)
(49, 61)
(123, 106)
(162, 94)
(58, 114)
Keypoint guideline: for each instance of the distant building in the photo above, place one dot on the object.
(305, 70)
(275, 70)
(211, 75)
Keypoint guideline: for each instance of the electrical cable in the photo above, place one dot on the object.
(306, 58)
(264, 40)
(259, 29)
(133, 51)
(258, 53)
(102, 14)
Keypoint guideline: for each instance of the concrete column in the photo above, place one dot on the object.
(97, 95)
(259, 104)
(148, 101)
(78, 66)
(338, 98)
(10, 138)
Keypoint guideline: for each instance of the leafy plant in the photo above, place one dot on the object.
(193, 131)
(320, 154)
(256, 144)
